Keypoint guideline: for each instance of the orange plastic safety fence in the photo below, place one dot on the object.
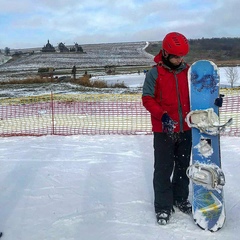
(92, 114)
(72, 115)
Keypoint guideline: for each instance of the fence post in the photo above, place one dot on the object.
(52, 108)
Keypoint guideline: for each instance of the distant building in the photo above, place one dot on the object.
(76, 48)
(62, 47)
(48, 48)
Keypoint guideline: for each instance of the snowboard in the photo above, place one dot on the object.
(205, 171)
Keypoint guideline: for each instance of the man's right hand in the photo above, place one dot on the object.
(168, 124)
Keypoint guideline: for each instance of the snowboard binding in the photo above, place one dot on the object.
(207, 121)
(209, 176)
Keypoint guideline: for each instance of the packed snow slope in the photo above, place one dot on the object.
(96, 188)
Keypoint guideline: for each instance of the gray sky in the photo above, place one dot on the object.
(30, 23)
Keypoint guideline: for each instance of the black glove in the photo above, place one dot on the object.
(219, 101)
(168, 124)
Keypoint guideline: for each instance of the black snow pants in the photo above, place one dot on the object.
(171, 160)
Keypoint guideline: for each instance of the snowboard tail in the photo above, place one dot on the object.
(208, 208)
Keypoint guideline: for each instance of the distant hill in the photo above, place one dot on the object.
(223, 51)
(122, 57)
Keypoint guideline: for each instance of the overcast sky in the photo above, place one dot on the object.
(30, 23)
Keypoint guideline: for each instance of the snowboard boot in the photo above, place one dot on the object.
(184, 206)
(163, 216)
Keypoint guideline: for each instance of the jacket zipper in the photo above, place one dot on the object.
(179, 104)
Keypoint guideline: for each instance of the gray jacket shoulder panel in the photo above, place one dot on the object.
(150, 81)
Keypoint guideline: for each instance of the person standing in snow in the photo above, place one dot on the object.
(166, 97)
(74, 71)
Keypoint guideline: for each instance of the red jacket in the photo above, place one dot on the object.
(166, 90)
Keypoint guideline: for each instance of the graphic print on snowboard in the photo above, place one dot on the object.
(205, 171)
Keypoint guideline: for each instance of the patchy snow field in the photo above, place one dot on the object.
(123, 55)
(133, 81)
(97, 56)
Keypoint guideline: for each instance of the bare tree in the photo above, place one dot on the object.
(232, 75)
(7, 51)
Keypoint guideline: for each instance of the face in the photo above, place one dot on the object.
(175, 60)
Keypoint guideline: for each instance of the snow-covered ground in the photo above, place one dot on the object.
(133, 81)
(130, 80)
(96, 187)
(97, 55)
(4, 59)
(136, 79)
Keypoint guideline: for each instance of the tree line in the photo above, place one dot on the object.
(225, 50)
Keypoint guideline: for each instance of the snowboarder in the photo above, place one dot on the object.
(166, 97)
